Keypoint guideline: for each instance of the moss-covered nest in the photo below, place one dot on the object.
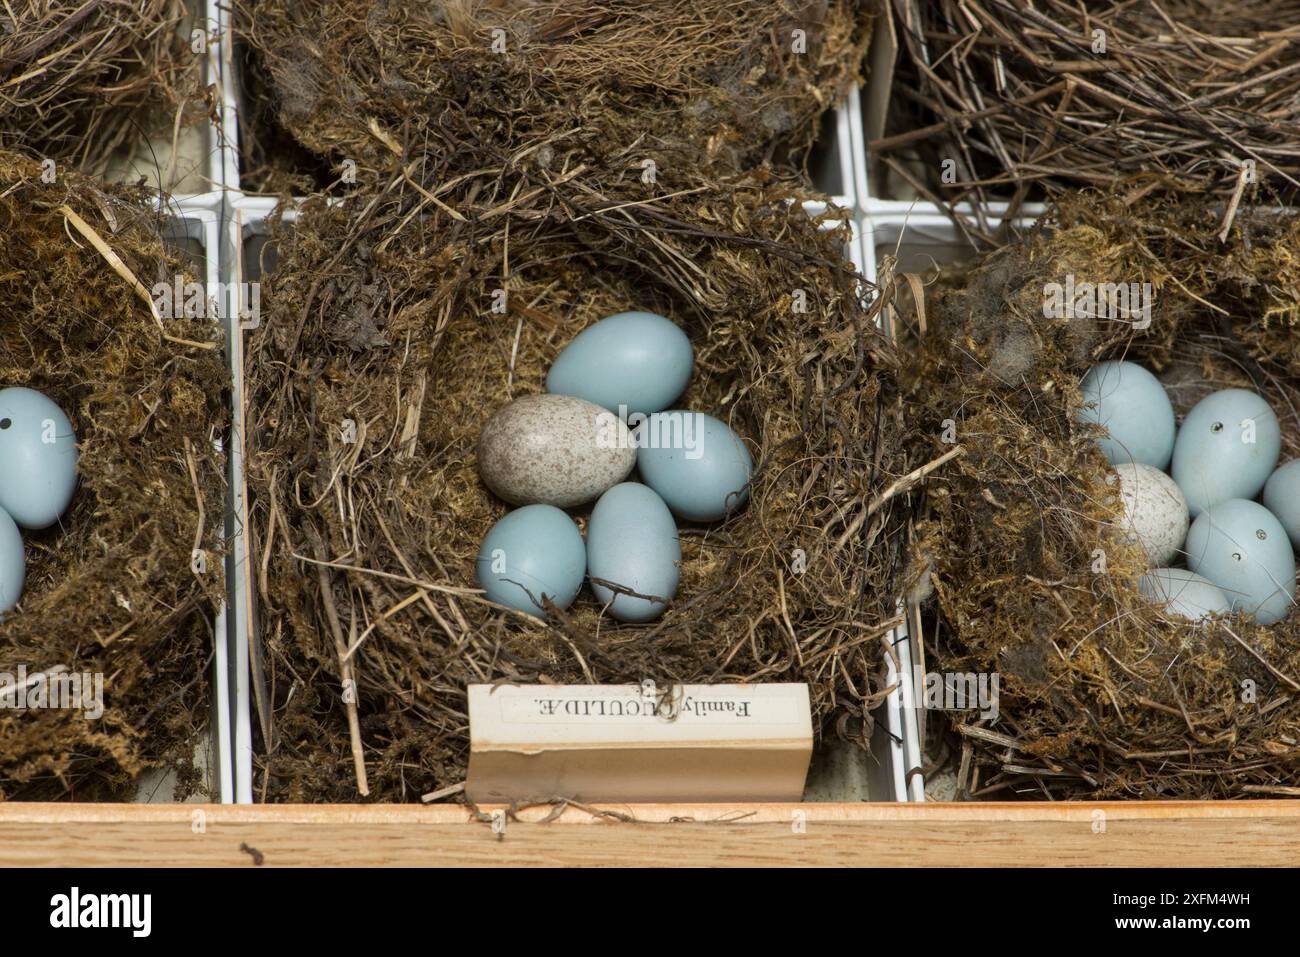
(1015, 560)
(337, 90)
(111, 588)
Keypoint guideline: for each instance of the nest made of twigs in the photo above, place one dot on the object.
(80, 79)
(1026, 100)
(725, 83)
(111, 588)
(1101, 694)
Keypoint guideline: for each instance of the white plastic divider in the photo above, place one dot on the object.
(198, 226)
(904, 728)
(204, 161)
(832, 166)
(921, 237)
(224, 74)
(897, 750)
(245, 217)
(902, 744)
(210, 20)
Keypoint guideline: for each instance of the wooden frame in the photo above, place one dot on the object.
(1183, 833)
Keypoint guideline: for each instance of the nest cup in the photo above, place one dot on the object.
(111, 588)
(1101, 693)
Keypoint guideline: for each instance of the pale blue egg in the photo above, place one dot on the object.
(1244, 550)
(699, 467)
(13, 563)
(632, 541)
(1133, 407)
(1184, 594)
(1282, 498)
(630, 362)
(1227, 447)
(533, 551)
(38, 458)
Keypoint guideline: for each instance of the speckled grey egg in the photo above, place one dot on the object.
(1155, 512)
(1243, 549)
(1184, 594)
(1227, 447)
(554, 450)
(1282, 498)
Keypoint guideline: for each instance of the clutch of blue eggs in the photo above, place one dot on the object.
(38, 475)
(608, 410)
(1207, 494)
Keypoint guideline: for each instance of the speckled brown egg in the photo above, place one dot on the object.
(554, 450)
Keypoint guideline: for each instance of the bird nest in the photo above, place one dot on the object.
(336, 91)
(522, 171)
(1015, 564)
(380, 360)
(1016, 101)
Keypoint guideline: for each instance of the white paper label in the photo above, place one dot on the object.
(685, 706)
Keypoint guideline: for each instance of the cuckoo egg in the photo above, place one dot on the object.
(38, 458)
(554, 450)
(533, 551)
(1282, 498)
(1244, 550)
(13, 564)
(1184, 594)
(1155, 513)
(632, 362)
(1132, 405)
(1227, 447)
(632, 542)
(699, 467)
